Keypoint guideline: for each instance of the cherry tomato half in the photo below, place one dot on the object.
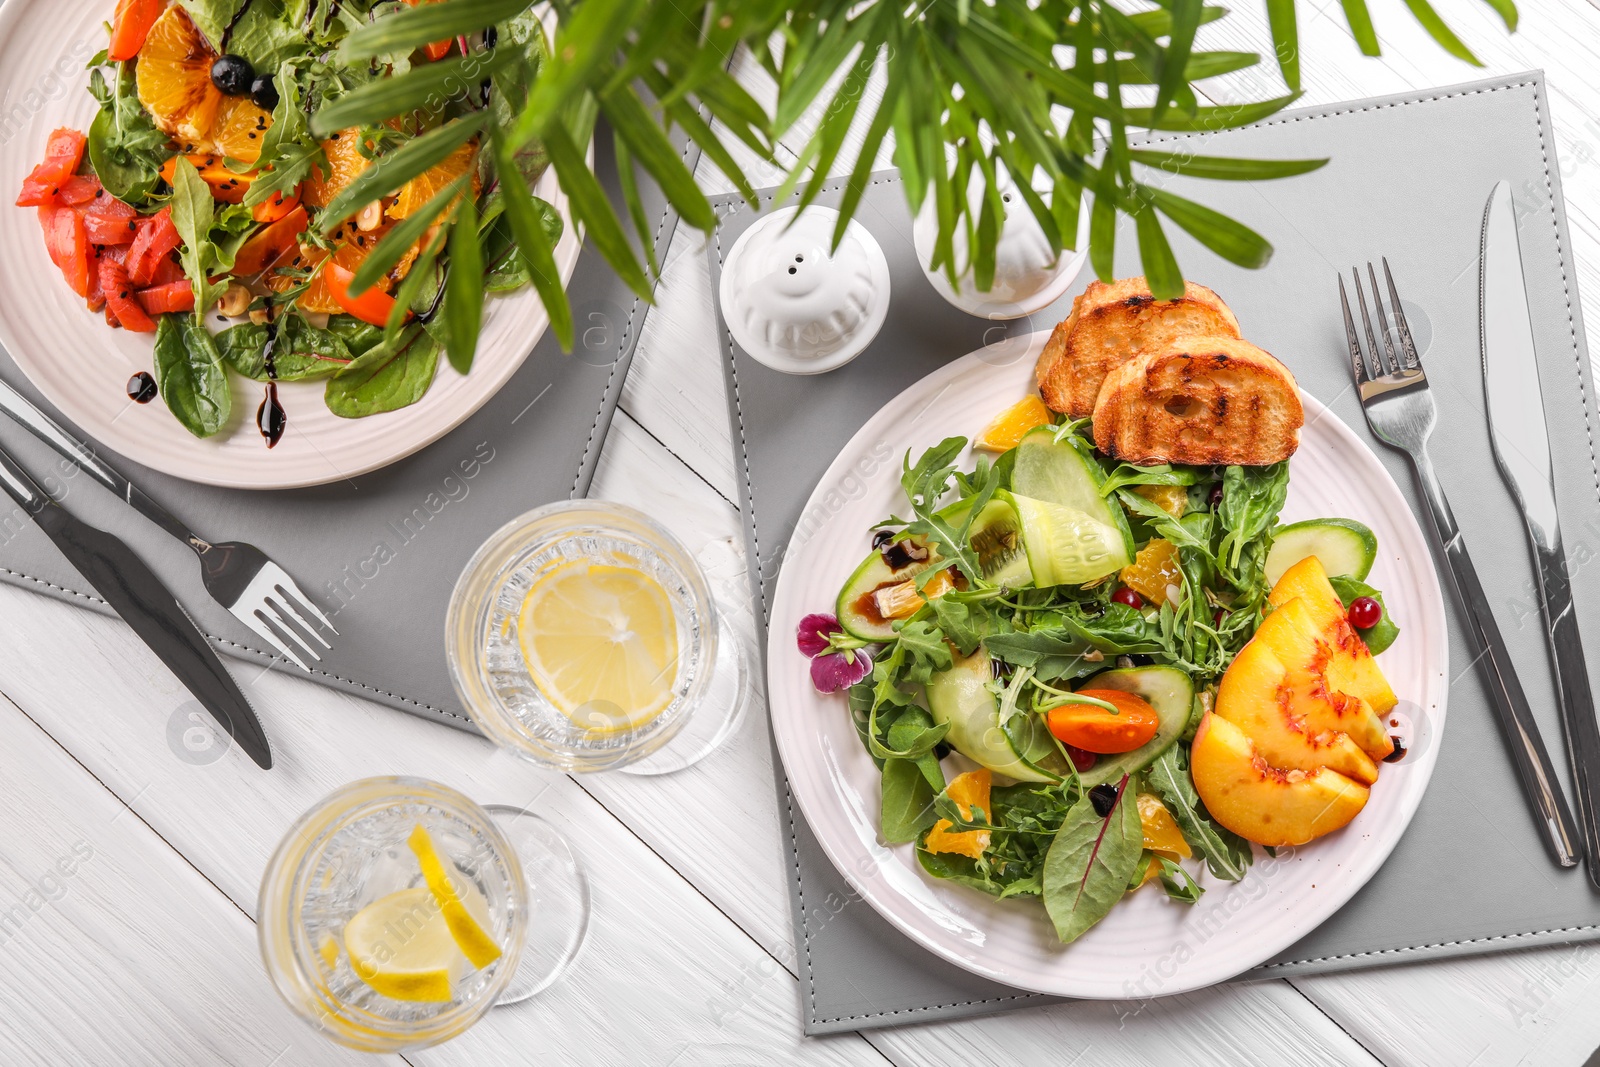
(1094, 729)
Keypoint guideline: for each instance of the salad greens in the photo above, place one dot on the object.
(1068, 830)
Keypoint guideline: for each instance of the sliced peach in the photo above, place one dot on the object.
(1262, 803)
(1320, 686)
(1297, 728)
(1351, 668)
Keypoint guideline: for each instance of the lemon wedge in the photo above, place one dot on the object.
(401, 947)
(465, 929)
(601, 644)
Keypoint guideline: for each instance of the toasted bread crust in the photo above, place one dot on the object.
(1203, 401)
(1111, 324)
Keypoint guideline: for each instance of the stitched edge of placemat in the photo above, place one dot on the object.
(1533, 80)
(581, 481)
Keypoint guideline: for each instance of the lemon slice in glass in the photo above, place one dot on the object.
(453, 899)
(601, 643)
(401, 946)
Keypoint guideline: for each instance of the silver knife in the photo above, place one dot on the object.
(135, 593)
(1522, 451)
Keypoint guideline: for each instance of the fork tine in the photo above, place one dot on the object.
(1413, 361)
(286, 619)
(1366, 323)
(1358, 361)
(286, 585)
(1383, 319)
(257, 622)
(288, 607)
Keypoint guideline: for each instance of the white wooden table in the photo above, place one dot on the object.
(128, 878)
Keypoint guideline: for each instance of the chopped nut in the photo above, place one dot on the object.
(235, 301)
(260, 316)
(370, 216)
(1094, 655)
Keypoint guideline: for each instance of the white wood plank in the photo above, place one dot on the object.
(113, 949)
(658, 956)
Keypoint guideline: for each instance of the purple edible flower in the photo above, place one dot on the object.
(813, 632)
(838, 661)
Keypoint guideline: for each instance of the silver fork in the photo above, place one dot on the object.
(1400, 411)
(240, 577)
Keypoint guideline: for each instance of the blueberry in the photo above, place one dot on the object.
(1103, 798)
(232, 75)
(264, 92)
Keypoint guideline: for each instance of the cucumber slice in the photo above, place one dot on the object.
(996, 537)
(856, 608)
(1067, 546)
(960, 696)
(1169, 691)
(1056, 472)
(1345, 547)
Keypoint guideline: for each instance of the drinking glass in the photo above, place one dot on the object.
(352, 849)
(702, 684)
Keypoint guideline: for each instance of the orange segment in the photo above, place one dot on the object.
(419, 190)
(173, 79)
(349, 254)
(1153, 570)
(968, 791)
(239, 127)
(345, 164)
(1009, 426)
(1161, 833)
(1173, 499)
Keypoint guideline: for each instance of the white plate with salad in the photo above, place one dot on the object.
(944, 784)
(204, 88)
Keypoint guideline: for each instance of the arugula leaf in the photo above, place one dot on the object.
(190, 376)
(288, 151)
(192, 210)
(1251, 500)
(1090, 862)
(928, 481)
(389, 376)
(924, 649)
(1384, 633)
(1226, 853)
(1054, 654)
(1178, 882)
(963, 622)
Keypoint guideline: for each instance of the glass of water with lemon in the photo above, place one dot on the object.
(584, 636)
(396, 912)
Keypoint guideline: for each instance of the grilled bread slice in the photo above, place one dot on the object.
(1200, 400)
(1109, 325)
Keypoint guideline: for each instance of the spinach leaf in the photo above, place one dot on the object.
(907, 804)
(963, 870)
(506, 269)
(192, 213)
(1384, 633)
(386, 378)
(266, 33)
(1226, 853)
(1251, 500)
(860, 700)
(1162, 474)
(190, 376)
(1090, 862)
(125, 148)
(300, 351)
(359, 337)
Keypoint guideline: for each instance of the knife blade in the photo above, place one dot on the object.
(145, 604)
(1521, 443)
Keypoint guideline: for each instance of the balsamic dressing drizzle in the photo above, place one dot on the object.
(271, 419)
(227, 31)
(142, 388)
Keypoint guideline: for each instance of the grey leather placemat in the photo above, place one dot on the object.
(1408, 180)
(379, 551)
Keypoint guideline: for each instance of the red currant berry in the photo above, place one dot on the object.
(1127, 596)
(1365, 613)
(1081, 759)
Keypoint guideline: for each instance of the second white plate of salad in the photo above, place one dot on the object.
(949, 787)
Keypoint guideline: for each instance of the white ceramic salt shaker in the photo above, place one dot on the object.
(1028, 276)
(796, 306)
